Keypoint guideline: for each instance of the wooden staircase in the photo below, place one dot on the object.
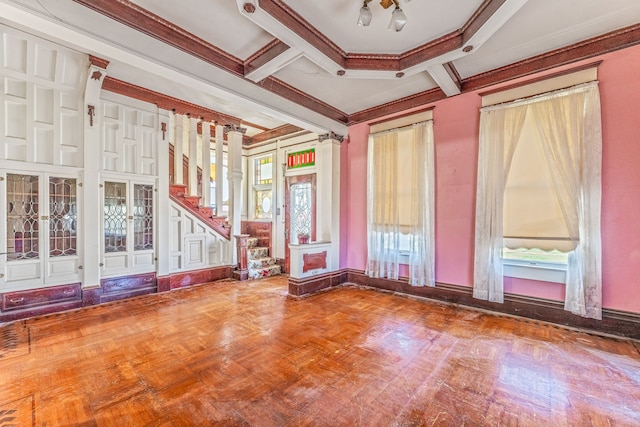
(177, 193)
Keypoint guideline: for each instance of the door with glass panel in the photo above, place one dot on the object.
(299, 211)
(128, 243)
(41, 233)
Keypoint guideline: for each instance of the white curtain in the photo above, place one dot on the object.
(570, 130)
(500, 130)
(392, 175)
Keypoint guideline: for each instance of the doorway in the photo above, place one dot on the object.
(299, 211)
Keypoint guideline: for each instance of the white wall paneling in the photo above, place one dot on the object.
(40, 100)
(129, 135)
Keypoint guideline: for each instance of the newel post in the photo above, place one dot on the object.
(242, 271)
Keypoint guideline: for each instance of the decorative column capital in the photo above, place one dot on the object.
(234, 128)
(331, 135)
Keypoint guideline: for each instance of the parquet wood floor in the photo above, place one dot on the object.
(244, 354)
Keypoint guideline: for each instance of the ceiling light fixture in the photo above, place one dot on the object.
(398, 18)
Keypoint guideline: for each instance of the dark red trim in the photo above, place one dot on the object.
(281, 88)
(166, 102)
(140, 19)
(98, 62)
(404, 114)
(479, 18)
(264, 55)
(450, 68)
(600, 45)
(416, 100)
(274, 133)
(296, 23)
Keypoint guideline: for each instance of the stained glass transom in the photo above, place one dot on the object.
(22, 217)
(115, 217)
(143, 217)
(264, 171)
(63, 216)
(300, 210)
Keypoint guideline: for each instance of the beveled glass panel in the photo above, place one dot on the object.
(301, 214)
(22, 217)
(143, 216)
(63, 216)
(115, 217)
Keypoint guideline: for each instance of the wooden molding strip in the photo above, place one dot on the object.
(292, 20)
(167, 102)
(596, 46)
(412, 101)
(264, 55)
(274, 133)
(614, 322)
(542, 78)
(600, 45)
(480, 17)
(98, 62)
(289, 92)
(140, 19)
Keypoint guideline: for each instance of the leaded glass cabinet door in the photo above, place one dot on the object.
(41, 233)
(128, 228)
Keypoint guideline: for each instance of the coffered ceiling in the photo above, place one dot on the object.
(307, 63)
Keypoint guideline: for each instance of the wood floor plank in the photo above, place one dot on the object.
(244, 354)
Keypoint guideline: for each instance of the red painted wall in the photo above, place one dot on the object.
(456, 122)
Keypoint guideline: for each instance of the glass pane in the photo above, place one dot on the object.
(263, 204)
(115, 217)
(143, 217)
(22, 217)
(63, 216)
(300, 210)
(264, 171)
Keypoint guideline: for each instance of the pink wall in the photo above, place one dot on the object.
(456, 122)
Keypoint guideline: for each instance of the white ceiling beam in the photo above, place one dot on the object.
(443, 79)
(273, 65)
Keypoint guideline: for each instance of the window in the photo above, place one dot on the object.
(536, 238)
(400, 193)
(568, 127)
(263, 187)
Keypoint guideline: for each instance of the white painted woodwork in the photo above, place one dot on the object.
(205, 155)
(163, 216)
(193, 245)
(129, 136)
(219, 167)
(130, 261)
(40, 100)
(178, 148)
(234, 140)
(193, 156)
(45, 270)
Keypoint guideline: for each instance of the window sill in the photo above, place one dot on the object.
(534, 270)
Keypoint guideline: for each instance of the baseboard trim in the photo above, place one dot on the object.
(302, 287)
(193, 277)
(614, 322)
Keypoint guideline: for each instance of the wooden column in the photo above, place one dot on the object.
(242, 272)
(234, 141)
(193, 157)
(206, 164)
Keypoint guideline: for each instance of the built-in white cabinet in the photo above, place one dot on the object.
(40, 240)
(128, 234)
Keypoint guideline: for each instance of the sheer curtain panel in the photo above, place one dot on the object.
(400, 192)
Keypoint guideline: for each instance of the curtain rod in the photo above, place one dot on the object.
(399, 128)
(566, 239)
(538, 95)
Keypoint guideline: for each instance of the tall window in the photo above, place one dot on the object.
(263, 187)
(568, 136)
(400, 193)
